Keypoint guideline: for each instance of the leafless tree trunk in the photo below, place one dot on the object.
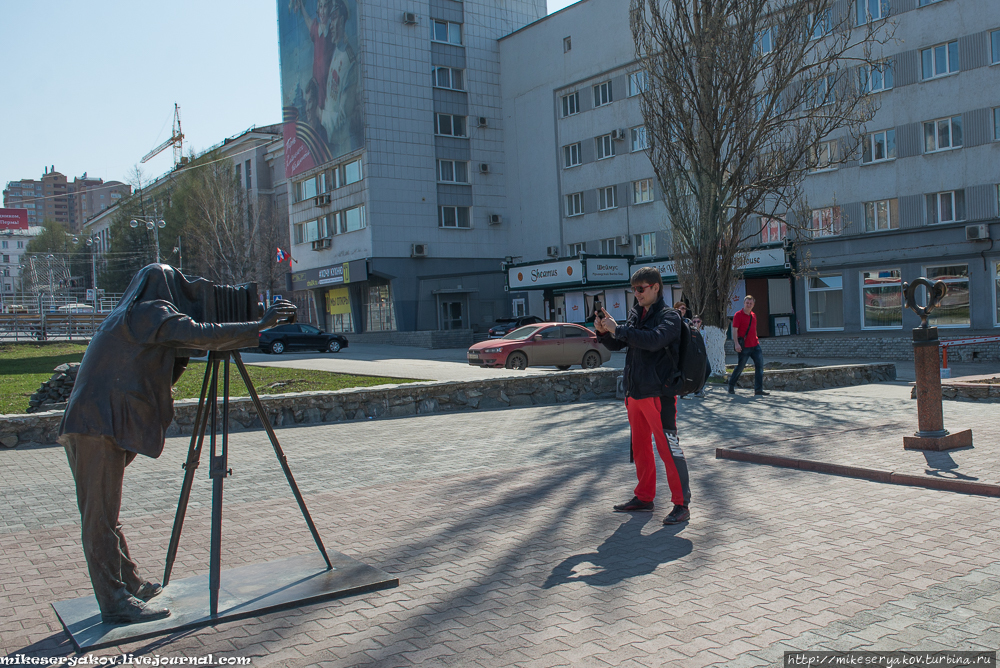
(738, 96)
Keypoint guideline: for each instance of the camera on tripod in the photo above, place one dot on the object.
(233, 303)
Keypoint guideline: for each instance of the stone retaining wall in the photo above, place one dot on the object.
(867, 347)
(820, 377)
(432, 397)
(966, 391)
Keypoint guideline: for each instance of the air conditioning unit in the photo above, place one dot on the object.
(410, 19)
(977, 232)
(484, 168)
(618, 135)
(322, 244)
(483, 122)
(418, 250)
(552, 251)
(624, 240)
(323, 200)
(495, 219)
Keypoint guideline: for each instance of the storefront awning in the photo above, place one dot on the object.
(569, 273)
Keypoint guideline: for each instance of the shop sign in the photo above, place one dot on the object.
(545, 274)
(758, 259)
(338, 301)
(607, 270)
(335, 274)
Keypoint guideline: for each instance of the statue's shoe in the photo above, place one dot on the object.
(133, 611)
(148, 590)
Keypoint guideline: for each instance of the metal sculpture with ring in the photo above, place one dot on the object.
(936, 292)
(926, 362)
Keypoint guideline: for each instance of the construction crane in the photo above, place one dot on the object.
(176, 140)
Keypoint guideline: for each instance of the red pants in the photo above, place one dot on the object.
(644, 417)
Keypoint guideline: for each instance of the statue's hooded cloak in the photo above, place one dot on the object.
(123, 385)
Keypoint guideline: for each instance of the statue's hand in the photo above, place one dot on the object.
(280, 311)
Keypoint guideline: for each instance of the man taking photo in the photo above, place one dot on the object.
(652, 335)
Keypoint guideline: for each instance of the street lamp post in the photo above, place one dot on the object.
(156, 226)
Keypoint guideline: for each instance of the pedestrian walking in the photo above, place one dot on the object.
(747, 347)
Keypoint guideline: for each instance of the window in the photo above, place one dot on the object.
(609, 246)
(608, 197)
(443, 31)
(574, 204)
(116, 195)
(6, 259)
(878, 147)
(602, 94)
(354, 219)
(946, 207)
(447, 124)
(939, 60)
(995, 47)
(570, 104)
(454, 216)
(825, 222)
(876, 77)
(642, 191)
(772, 230)
(881, 299)
(605, 147)
(640, 142)
(872, 10)
(567, 44)
(821, 91)
(638, 82)
(954, 309)
(453, 171)
(645, 244)
(820, 24)
(996, 123)
(3, 245)
(352, 170)
(305, 189)
(882, 215)
(448, 77)
(823, 156)
(571, 155)
(576, 249)
(924, 3)
(996, 293)
(825, 302)
(942, 134)
(249, 173)
(306, 232)
(333, 223)
(765, 42)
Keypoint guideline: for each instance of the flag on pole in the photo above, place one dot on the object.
(280, 257)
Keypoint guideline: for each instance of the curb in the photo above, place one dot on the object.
(875, 475)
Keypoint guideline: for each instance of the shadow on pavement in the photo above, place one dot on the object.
(625, 554)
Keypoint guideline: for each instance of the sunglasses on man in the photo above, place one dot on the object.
(639, 289)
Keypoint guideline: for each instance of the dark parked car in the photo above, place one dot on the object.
(299, 337)
(505, 326)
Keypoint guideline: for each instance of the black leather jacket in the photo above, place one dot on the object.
(647, 364)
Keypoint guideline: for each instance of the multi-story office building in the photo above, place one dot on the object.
(921, 199)
(394, 152)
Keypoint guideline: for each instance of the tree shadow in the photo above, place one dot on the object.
(625, 554)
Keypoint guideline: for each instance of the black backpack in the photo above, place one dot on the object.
(690, 368)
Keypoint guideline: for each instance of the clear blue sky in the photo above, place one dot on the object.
(91, 86)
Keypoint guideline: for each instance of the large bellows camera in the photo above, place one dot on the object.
(234, 303)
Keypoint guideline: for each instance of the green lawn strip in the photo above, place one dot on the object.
(276, 380)
(25, 366)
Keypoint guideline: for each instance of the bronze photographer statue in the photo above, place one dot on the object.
(121, 406)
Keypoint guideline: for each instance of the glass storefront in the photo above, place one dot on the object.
(825, 302)
(954, 309)
(882, 299)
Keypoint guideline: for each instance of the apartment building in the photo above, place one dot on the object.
(395, 156)
(55, 197)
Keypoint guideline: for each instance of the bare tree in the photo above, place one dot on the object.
(741, 98)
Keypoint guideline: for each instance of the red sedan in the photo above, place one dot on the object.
(543, 344)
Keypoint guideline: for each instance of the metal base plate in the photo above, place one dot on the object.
(247, 591)
(962, 439)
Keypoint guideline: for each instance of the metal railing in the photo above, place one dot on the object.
(49, 326)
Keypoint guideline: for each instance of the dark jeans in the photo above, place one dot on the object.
(758, 368)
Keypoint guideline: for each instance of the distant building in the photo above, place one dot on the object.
(54, 197)
(13, 246)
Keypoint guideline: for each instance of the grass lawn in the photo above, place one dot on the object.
(24, 366)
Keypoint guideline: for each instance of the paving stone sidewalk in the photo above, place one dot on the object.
(499, 528)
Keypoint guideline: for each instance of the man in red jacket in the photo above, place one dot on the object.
(747, 346)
